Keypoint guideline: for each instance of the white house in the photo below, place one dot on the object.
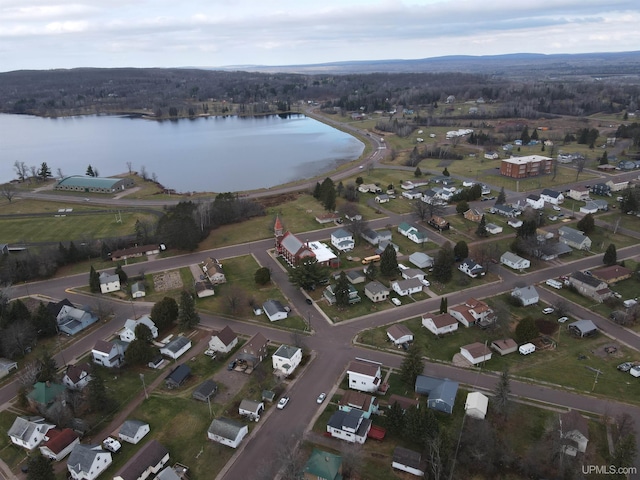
(108, 354)
(527, 295)
(351, 425)
(476, 353)
(535, 201)
(493, 229)
(575, 432)
(132, 431)
(343, 240)
(274, 310)
(227, 432)
(376, 292)
(109, 283)
(472, 311)
(398, 334)
(214, 271)
(251, 409)
(59, 443)
(515, 223)
(413, 233)
(407, 287)
(286, 359)
(364, 376)
(439, 324)
(412, 194)
(579, 193)
(176, 347)
(128, 332)
(408, 273)
(476, 405)
(471, 268)
(514, 261)
(551, 196)
(77, 376)
(29, 432)
(223, 341)
(87, 462)
(145, 463)
(421, 260)
(382, 198)
(138, 290)
(408, 461)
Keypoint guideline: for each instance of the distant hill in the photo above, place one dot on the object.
(511, 65)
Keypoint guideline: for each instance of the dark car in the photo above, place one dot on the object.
(231, 365)
(309, 301)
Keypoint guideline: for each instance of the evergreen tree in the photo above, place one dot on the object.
(359, 181)
(534, 134)
(262, 276)
(44, 321)
(462, 206)
(98, 397)
(500, 400)
(187, 315)
(417, 172)
(45, 172)
(610, 256)
(443, 263)
(604, 159)
(526, 330)
(121, 274)
(443, 305)
(502, 197)
(18, 312)
(164, 313)
(482, 228)
(63, 254)
(140, 350)
(445, 172)
(308, 274)
(94, 280)
(389, 261)
(524, 136)
(89, 172)
(48, 366)
(40, 468)
(412, 365)
(371, 272)
(73, 255)
(395, 421)
(415, 426)
(461, 249)
(342, 290)
(328, 194)
(587, 224)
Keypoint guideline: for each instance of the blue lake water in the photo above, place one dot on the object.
(213, 154)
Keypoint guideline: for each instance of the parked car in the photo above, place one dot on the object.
(283, 402)
(321, 397)
(231, 365)
(111, 444)
(563, 319)
(556, 208)
(210, 353)
(625, 367)
(396, 302)
(309, 301)
(548, 310)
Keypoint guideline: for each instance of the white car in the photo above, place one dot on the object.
(556, 208)
(283, 402)
(548, 310)
(111, 444)
(321, 397)
(396, 302)
(563, 319)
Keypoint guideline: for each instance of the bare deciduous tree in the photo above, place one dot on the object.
(8, 191)
(143, 173)
(59, 173)
(580, 162)
(130, 167)
(21, 170)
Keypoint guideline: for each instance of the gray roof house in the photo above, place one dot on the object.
(441, 392)
(408, 461)
(342, 240)
(274, 310)
(356, 276)
(132, 431)
(421, 260)
(86, 462)
(178, 376)
(72, 320)
(176, 347)
(527, 295)
(574, 238)
(376, 292)
(590, 286)
(205, 391)
(150, 459)
(374, 238)
(29, 432)
(583, 328)
(227, 431)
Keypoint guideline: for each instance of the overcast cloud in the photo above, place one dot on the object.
(44, 34)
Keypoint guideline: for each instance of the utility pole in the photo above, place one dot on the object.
(144, 386)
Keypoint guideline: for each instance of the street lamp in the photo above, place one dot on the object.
(144, 386)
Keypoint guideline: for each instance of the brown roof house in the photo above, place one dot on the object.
(254, 351)
(575, 433)
(214, 271)
(471, 311)
(223, 341)
(612, 274)
(476, 353)
(504, 346)
(362, 401)
(439, 324)
(364, 376)
(589, 286)
(399, 334)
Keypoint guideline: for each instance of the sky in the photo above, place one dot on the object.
(47, 34)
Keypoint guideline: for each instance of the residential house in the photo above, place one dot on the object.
(368, 404)
(87, 462)
(551, 196)
(374, 238)
(514, 261)
(421, 260)
(71, 320)
(178, 376)
(589, 286)
(254, 351)
(128, 332)
(407, 287)
(408, 273)
(491, 155)
(44, 394)
(205, 391)
(514, 222)
(156, 362)
(351, 426)
(382, 198)
(476, 353)
(109, 283)
(364, 376)
(504, 346)
(214, 271)
(527, 295)
(76, 377)
(574, 429)
(251, 409)
(617, 186)
(108, 354)
(176, 347)
(601, 189)
(138, 290)
(439, 324)
(147, 461)
(493, 229)
(132, 431)
(441, 392)
(438, 223)
(286, 359)
(59, 443)
(476, 405)
(134, 252)
(376, 292)
(579, 193)
(343, 240)
(412, 194)
(472, 311)
(505, 210)
(223, 341)
(403, 402)
(535, 201)
(227, 432)
(29, 432)
(369, 188)
(474, 215)
(413, 233)
(330, 296)
(204, 288)
(398, 333)
(274, 310)
(524, 167)
(322, 466)
(356, 276)
(408, 460)
(583, 328)
(323, 254)
(612, 274)
(324, 218)
(589, 207)
(382, 245)
(411, 184)
(471, 268)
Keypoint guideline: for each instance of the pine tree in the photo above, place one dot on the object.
(371, 272)
(121, 274)
(262, 276)
(443, 263)
(395, 420)
(140, 351)
(45, 172)
(604, 159)
(500, 400)
(482, 228)
(99, 399)
(412, 365)
(610, 256)
(587, 224)
(94, 280)
(187, 316)
(342, 290)
(443, 305)
(502, 197)
(89, 172)
(48, 366)
(40, 468)
(461, 250)
(44, 321)
(525, 135)
(445, 172)
(389, 261)
(417, 172)
(63, 254)
(164, 313)
(73, 255)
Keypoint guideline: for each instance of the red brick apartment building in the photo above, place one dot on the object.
(523, 167)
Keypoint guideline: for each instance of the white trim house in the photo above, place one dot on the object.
(343, 240)
(399, 333)
(407, 287)
(439, 324)
(87, 462)
(514, 261)
(286, 359)
(128, 332)
(364, 376)
(227, 431)
(109, 283)
(29, 432)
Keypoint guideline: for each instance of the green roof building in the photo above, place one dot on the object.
(323, 466)
(44, 393)
(87, 184)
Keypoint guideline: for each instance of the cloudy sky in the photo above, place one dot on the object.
(44, 34)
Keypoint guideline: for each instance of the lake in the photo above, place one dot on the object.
(212, 154)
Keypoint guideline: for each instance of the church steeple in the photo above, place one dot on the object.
(278, 229)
